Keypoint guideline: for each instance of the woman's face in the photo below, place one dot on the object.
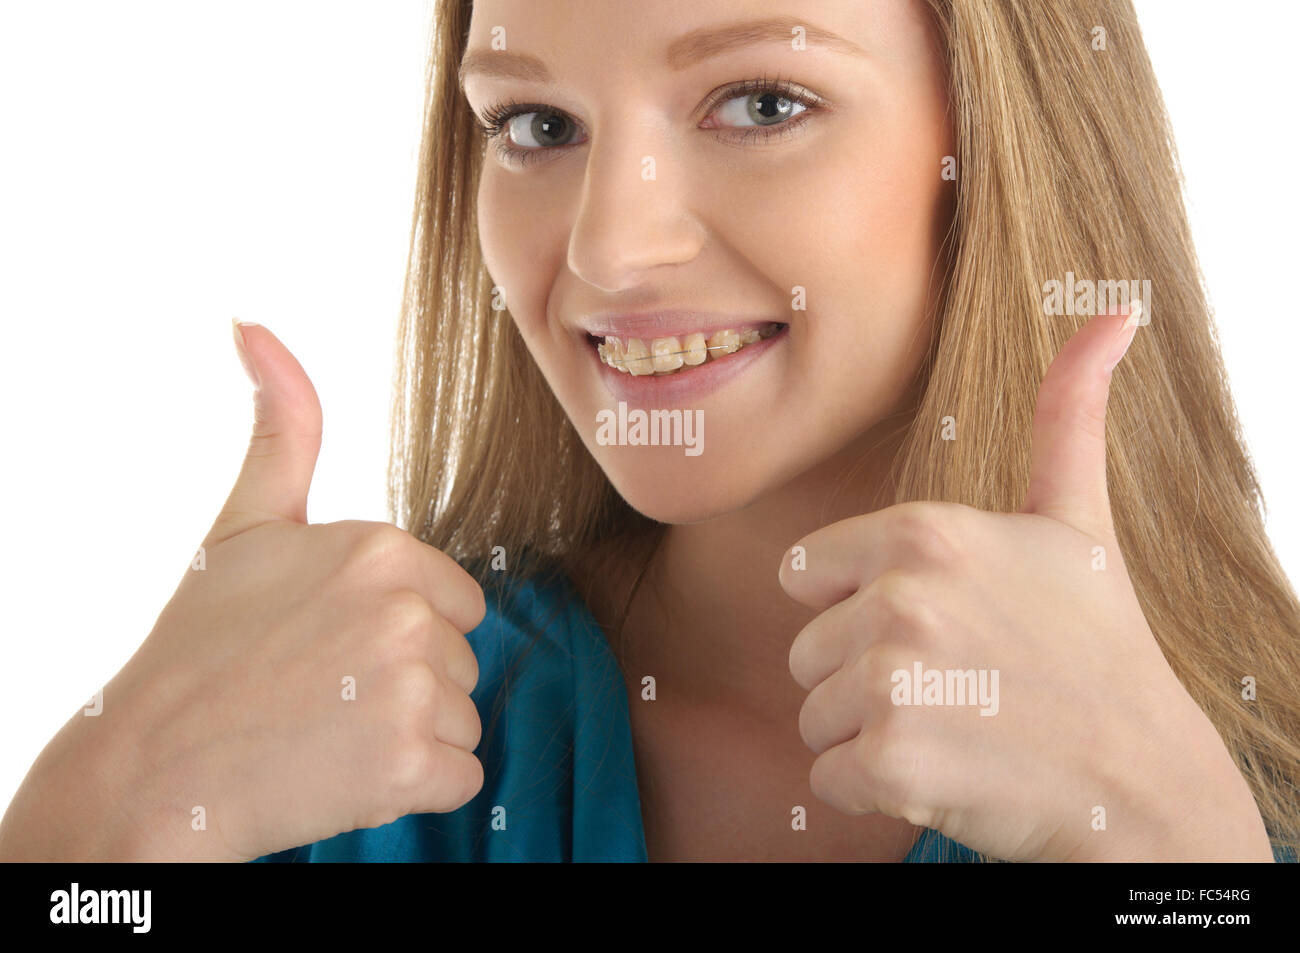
(679, 168)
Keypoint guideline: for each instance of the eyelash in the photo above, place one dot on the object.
(496, 117)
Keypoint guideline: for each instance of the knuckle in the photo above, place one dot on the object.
(918, 815)
(892, 761)
(406, 612)
(931, 532)
(378, 818)
(902, 602)
(405, 627)
(416, 692)
(375, 548)
(410, 765)
(1079, 406)
(874, 670)
(380, 815)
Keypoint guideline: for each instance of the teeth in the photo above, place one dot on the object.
(612, 353)
(695, 352)
(725, 342)
(668, 355)
(637, 358)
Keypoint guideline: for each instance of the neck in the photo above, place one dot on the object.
(710, 620)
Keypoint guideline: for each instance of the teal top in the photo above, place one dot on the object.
(559, 775)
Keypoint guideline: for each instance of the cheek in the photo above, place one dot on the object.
(522, 233)
(883, 239)
(855, 223)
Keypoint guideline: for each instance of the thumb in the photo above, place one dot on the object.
(277, 470)
(1067, 478)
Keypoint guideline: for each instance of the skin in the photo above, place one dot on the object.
(852, 209)
(234, 701)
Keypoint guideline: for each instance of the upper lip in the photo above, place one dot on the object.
(647, 325)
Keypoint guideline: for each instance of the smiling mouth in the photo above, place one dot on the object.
(674, 355)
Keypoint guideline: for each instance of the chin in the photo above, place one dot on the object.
(663, 509)
(665, 486)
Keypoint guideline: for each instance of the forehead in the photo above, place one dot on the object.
(662, 34)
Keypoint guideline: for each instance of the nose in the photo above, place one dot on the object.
(634, 212)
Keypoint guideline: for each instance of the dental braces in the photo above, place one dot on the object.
(692, 350)
(729, 348)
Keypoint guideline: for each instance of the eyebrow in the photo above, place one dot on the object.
(686, 50)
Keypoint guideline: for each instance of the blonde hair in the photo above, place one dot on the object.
(1065, 162)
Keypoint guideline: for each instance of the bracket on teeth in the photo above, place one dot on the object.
(731, 349)
(651, 357)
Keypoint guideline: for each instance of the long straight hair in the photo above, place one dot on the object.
(1065, 163)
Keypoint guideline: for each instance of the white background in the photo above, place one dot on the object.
(165, 166)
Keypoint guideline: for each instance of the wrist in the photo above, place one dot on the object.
(94, 795)
(62, 810)
(165, 803)
(1187, 803)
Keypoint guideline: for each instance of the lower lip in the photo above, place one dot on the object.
(664, 391)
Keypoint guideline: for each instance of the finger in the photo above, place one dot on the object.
(457, 779)
(456, 719)
(455, 656)
(825, 644)
(841, 776)
(874, 773)
(452, 591)
(1068, 474)
(837, 708)
(839, 559)
(277, 469)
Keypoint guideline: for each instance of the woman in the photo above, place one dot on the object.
(908, 565)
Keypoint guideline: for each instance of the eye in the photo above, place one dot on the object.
(765, 109)
(522, 133)
(538, 130)
(759, 104)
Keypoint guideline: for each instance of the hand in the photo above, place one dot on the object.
(1075, 740)
(238, 702)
